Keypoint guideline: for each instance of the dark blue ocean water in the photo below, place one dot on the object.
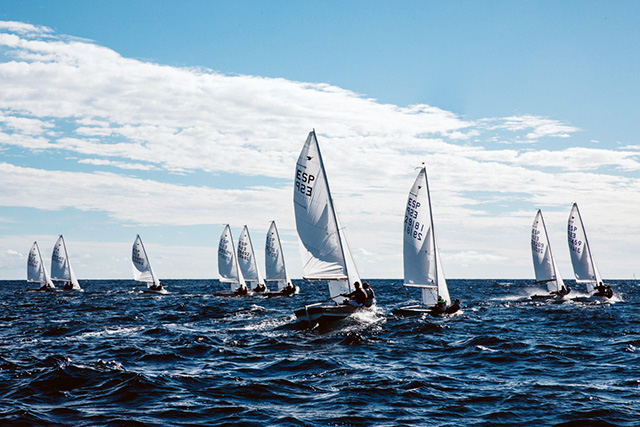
(113, 356)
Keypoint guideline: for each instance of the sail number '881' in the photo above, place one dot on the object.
(413, 227)
(303, 182)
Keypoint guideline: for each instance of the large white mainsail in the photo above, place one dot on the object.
(36, 271)
(247, 260)
(228, 261)
(61, 267)
(275, 269)
(422, 266)
(544, 264)
(326, 252)
(142, 271)
(584, 266)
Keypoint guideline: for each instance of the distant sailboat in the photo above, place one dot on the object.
(275, 269)
(422, 265)
(584, 266)
(248, 263)
(326, 252)
(36, 271)
(544, 264)
(228, 264)
(142, 271)
(61, 269)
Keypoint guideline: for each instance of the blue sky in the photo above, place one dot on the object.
(171, 119)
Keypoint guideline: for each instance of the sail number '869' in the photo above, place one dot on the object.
(303, 182)
(413, 227)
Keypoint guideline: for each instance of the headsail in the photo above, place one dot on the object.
(247, 260)
(36, 271)
(544, 263)
(275, 268)
(228, 261)
(61, 267)
(142, 271)
(584, 266)
(326, 253)
(422, 266)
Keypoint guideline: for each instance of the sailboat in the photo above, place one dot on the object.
(36, 271)
(422, 265)
(544, 264)
(228, 265)
(61, 269)
(584, 266)
(275, 268)
(326, 253)
(142, 271)
(248, 264)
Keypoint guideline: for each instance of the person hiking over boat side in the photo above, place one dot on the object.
(453, 307)
(600, 290)
(370, 294)
(260, 287)
(440, 306)
(357, 297)
(288, 289)
(608, 292)
(242, 290)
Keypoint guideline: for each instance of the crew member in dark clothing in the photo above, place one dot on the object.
(600, 290)
(242, 290)
(453, 307)
(440, 306)
(370, 295)
(260, 287)
(357, 297)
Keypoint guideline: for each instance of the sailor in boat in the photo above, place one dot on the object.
(46, 286)
(155, 287)
(356, 298)
(260, 287)
(562, 292)
(370, 295)
(288, 289)
(453, 307)
(67, 286)
(242, 290)
(603, 291)
(440, 307)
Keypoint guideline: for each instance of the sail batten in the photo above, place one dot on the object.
(326, 252)
(422, 264)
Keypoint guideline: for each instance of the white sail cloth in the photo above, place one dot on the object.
(60, 266)
(142, 271)
(544, 264)
(247, 260)
(228, 261)
(36, 271)
(422, 265)
(275, 269)
(584, 266)
(326, 253)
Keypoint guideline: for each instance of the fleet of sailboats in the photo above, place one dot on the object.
(327, 256)
(142, 271)
(326, 252)
(422, 265)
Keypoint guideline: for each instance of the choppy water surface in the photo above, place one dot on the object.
(113, 355)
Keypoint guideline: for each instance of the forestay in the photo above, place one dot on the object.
(60, 266)
(247, 259)
(422, 265)
(275, 269)
(142, 271)
(326, 254)
(36, 271)
(228, 262)
(584, 266)
(544, 263)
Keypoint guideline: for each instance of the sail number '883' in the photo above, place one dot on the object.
(303, 182)
(413, 227)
